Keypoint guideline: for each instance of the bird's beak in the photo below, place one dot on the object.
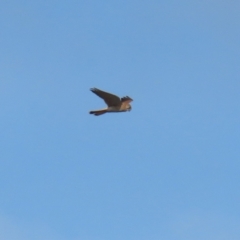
(130, 109)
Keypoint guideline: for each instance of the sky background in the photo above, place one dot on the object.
(169, 169)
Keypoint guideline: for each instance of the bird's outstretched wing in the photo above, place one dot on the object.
(110, 99)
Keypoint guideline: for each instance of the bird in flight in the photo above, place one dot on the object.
(114, 103)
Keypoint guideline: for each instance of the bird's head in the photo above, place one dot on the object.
(129, 108)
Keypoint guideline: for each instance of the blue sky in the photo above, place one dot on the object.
(169, 169)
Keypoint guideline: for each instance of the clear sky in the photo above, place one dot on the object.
(169, 169)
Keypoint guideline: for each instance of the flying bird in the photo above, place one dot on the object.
(114, 103)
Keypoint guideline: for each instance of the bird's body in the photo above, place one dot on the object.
(115, 104)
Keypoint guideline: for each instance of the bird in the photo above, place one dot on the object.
(114, 103)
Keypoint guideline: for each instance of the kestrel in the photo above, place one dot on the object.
(115, 103)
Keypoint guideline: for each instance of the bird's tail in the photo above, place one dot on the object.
(98, 112)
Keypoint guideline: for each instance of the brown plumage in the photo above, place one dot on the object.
(114, 103)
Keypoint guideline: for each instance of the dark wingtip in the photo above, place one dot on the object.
(93, 89)
(126, 98)
(92, 112)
